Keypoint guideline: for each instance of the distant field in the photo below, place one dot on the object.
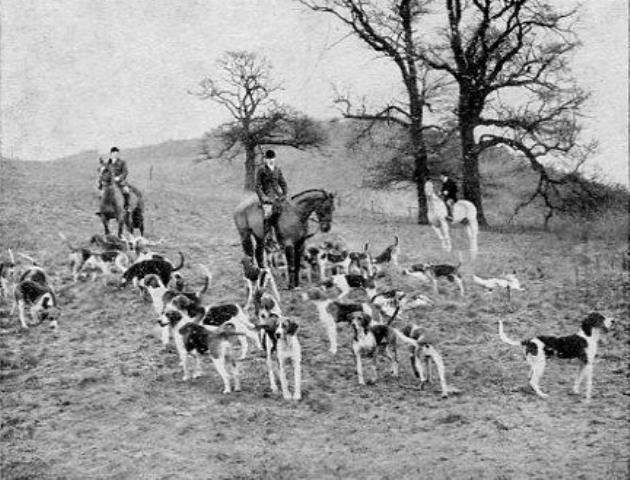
(101, 397)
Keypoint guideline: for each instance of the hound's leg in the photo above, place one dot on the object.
(272, 376)
(234, 370)
(20, 305)
(579, 379)
(537, 364)
(244, 346)
(297, 376)
(184, 363)
(219, 364)
(460, 284)
(331, 331)
(393, 357)
(260, 253)
(439, 364)
(589, 380)
(197, 372)
(357, 355)
(284, 385)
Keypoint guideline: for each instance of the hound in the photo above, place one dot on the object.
(109, 242)
(7, 272)
(257, 278)
(331, 312)
(582, 345)
(420, 355)
(83, 258)
(418, 272)
(161, 267)
(337, 261)
(435, 272)
(347, 282)
(198, 341)
(388, 256)
(34, 291)
(362, 262)
(161, 296)
(509, 282)
(279, 337)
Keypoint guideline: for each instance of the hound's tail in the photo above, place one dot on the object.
(395, 240)
(67, 242)
(405, 339)
(504, 337)
(11, 257)
(206, 283)
(181, 262)
(478, 280)
(29, 258)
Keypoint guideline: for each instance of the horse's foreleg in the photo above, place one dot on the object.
(260, 253)
(248, 247)
(297, 261)
(289, 251)
(446, 235)
(105, 224)
(471, 232)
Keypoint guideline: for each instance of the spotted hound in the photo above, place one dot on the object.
(256, 278)
(434, 272)
(279, 338)
(582, 346)
(333, 260)
(84, 259)
(389, 256)
(161, 267)
(198, 341)
(35, 292)
(332, 312)
(362, 262)
(508, 282)
(345, 283)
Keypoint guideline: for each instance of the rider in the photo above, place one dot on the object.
(271, 188)
(119, 172)
(449, 194)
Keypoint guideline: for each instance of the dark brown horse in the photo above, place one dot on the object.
(111, 205)
(292, 226)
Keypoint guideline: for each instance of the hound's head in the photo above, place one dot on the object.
(512, 282)
(596, 321)
(49, 312)
(285, 328)
(360, 322)
(182, 308)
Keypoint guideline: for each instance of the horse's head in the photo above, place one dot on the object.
(104, 173)
(324, 211)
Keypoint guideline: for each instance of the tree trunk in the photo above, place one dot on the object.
(410, 77)
(471, 181)
(250, 168)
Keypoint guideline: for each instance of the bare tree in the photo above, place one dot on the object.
(388, 28)
(510, 61)
(243, 86)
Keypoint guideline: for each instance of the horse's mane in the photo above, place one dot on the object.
(310, 190)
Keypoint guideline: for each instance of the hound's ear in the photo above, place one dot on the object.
(185, 330)
(292, 327)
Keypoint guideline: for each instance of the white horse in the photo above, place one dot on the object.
(464, 212)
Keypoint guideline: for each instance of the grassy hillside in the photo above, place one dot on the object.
(101, 398)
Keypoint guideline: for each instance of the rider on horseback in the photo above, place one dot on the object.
(271, 188)
(449, 194)
(119, 172)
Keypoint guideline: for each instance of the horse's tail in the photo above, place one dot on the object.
(181, 262)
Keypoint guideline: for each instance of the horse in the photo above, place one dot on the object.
(464, 212)
(111, 205)
(291, 226)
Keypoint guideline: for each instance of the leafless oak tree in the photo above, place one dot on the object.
(388, 28)
(510, 61)
(243, 86)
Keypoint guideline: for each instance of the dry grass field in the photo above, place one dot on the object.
(100, 398)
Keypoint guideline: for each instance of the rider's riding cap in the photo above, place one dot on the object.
(113, 149)
(270, 154)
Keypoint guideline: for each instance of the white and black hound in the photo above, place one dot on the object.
(508, 282)
(34, 291)
(160, 267)
(388, 256)
(335, 261)
(198, 341)
(435, 272)
(331, 312)
(279, 337)
(362, 262)
(82, 259)
(582, 345)
(257, 279)
(348, 282)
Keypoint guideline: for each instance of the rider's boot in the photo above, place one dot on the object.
(449, 212)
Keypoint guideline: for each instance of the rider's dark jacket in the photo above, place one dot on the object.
(449, 190)
(270, 184)
(118, 169)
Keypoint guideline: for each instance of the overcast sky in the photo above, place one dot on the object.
(88, 74)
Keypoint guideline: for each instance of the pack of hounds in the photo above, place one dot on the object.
(378, 320)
